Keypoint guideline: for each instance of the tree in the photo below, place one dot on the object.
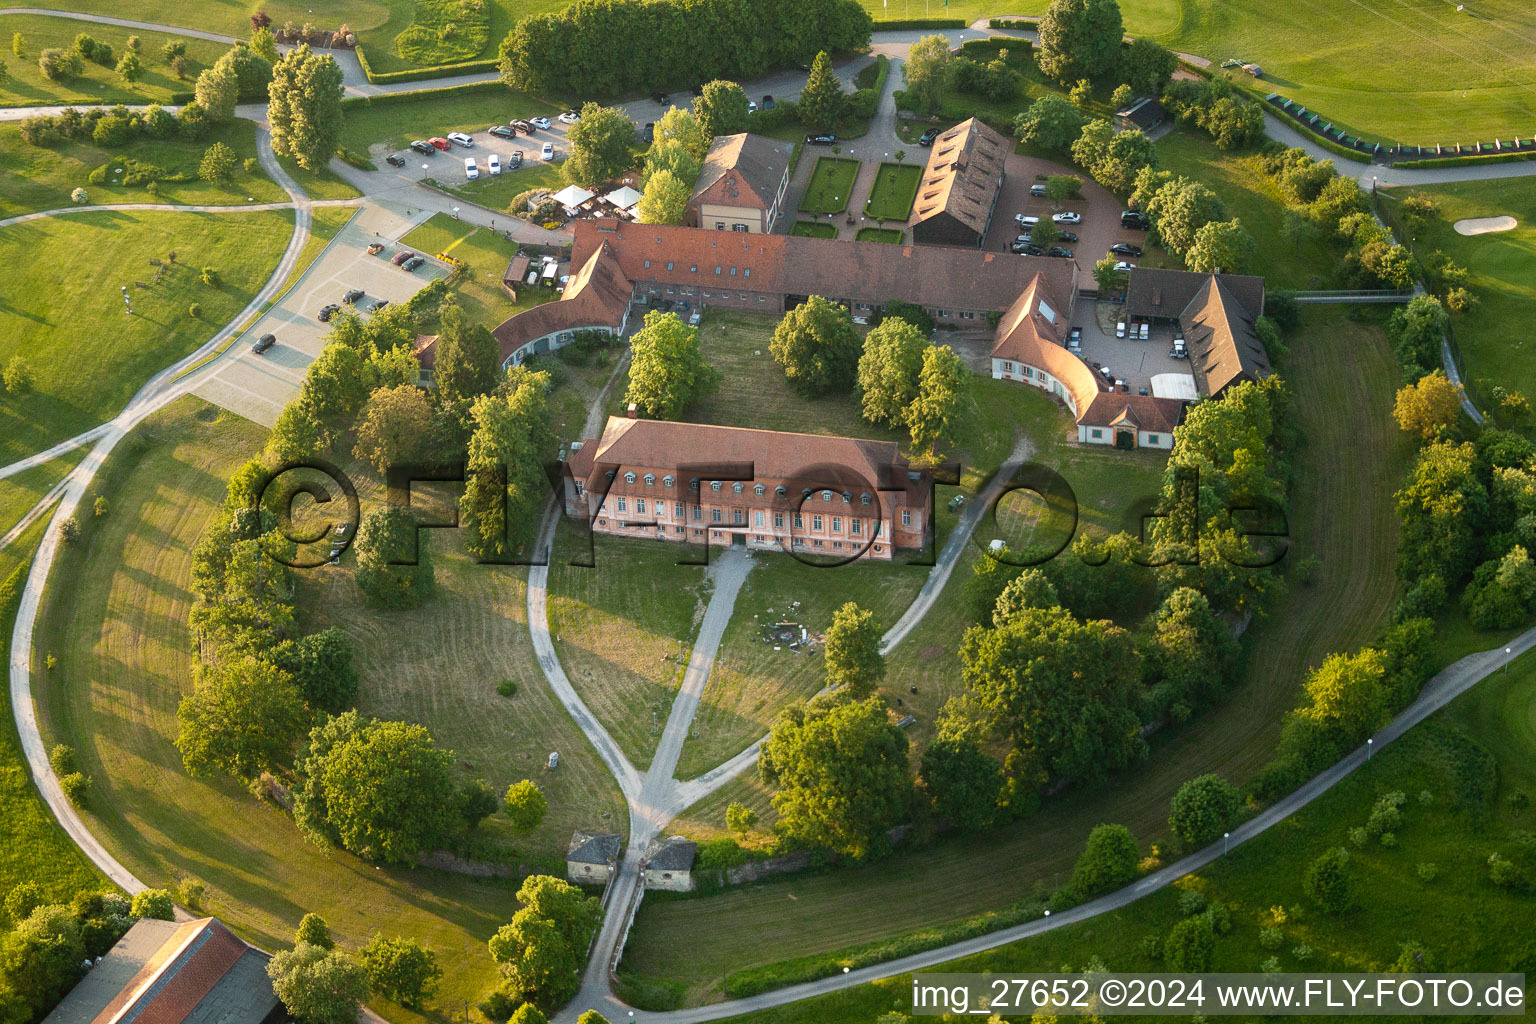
(381, 790)
(672, 156)
(264, 45)
(1221, 247)
(1338, 199)
(1051, 121)
(1430, 408)
(943, 393)
(386, 537)
(1345, 696)
(217, 90)
(1190, 945)
(242, 718)
(304, 108)
(1203, 809)
(679, 125)
(467, 363)
(1082, 93)
(840, 767)
(929, 67)
(23, 898)
(1417, 331)
(541, 950)
(1029, 589)
(917, 316)
(1061, 692)
(1148, 66)
(40, 960)
(1188, 657)
(525, 806)
(817, 346)
(18, 44)
(1113, 158)
(1329, 883)
(822, 104)
(667, 371)
(59, 65)
(592, 1017)
(396, 428)
(963, 782)
(528, 1014)
(721, 108)
(173, 48)
(889, 370)
(130, 67)
(1080, 39)
(665, 200)
(253, 72)
(1107, 277)
(155, 904)
(852, 649)
(1122, 96)
(600, 145)
(739, 817)
(1107, 862)
(477, 801)
(400, 969)
(317, 985)
(1441, 508)
(314, 930)
(1179, 209)
(218, 163)
(510, 447)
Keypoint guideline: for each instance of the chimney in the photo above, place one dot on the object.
(633, 411)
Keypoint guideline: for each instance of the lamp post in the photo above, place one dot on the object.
(1224, 845)
(1506, 650)
(1370, 747)
(455, 213)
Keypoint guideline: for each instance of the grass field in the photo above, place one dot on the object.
(1494, 337)
(831, 182)
(19, 493)
(890, 236)
(87, 357)
(498, 191)
(25, 86)
(895, 187)
(35, 178)
(813, 229)
(1346, 471)
(487, 253)
(392, 125)
(1466, 923)
(122, 638)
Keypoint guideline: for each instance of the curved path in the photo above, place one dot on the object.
(65, 211)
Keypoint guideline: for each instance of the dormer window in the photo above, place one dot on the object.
(611, 474)
(650, 479)
(736, 488)
(864, 498)
(629, 478)
(666, 481)
(714, 485)
(759, 490)
(693, 484)
(826, 495)
(781, 491)
(847, 498)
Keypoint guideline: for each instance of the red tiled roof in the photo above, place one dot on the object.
(597, 295)
(1144, 412)
(1027, 334)
(742, 170)
(171, 984)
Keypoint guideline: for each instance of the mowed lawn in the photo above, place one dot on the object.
(20, 492)
(1494, 337)
(116, 617)
(831, 182)
(63, 314)
(895, 187)
(42, 178)
(497, 191)
(1347, 468)
(1464, 922)
(25, 86)
(487, 253)
(813, 229)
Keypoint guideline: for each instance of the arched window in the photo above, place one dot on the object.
(650, 479)
(666, 481)
(629, 478)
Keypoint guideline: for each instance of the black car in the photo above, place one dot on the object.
(352, 296)
(926, 139)
(379, 305)
(394, 161)
(1026, 249)
(1125, 249)
(649, 134)
(1059, 252)
(424, 148)
(522, 126)
(326, 312)
(501, 131)
(514, 160)
(767, 102)
(263, 343)
(1134, 219)
(659, 97)
(412, 263)
(820, 140)
(1066, 236)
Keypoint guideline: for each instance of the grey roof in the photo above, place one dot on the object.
(674, 854)
(121, 963)
(593, 849)
(243, 994)
(1144, 113)
(963, 176)
(755, 163)
(1167, 293)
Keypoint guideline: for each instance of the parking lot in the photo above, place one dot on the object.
(258, 386)
(447, 166)
(1100, 227)
(1134, 361)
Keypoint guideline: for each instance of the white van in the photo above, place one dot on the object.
(1025, 222)
(493, 163)
(471, 172)
(1120, 329)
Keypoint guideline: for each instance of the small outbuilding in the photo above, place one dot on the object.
(1146, 113)
(669, 864)
(592, 859)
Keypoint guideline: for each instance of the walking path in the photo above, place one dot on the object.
(65, 211)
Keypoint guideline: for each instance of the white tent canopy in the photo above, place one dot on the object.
(572, 196)
(1174, 385)
(623, 197)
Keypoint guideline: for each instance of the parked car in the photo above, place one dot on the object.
(1076, 337)
(648, 134)
(439, 142)
(1135, 220)
(1026, 249)
(1125, 249)
(514, 160)
(751, 106)
(1069, 217)
(820, 140)
(1061, 252)
(378, 305)
(352, 296)
(570, 117)
(1024, 239)
(460, 139)
(522, 126)
(263, 343)
(1066, 236)
(1123, 266)
(401, 256)
(660, 97)
(412, 263)
(501, 131)
(374, 248)
(767, 102)
(547, 152)
(926, 139)
(423, 147)
(493, 163)
(1025, 221)
(541, 123)
(326, 312)
(394, 161)
(1038, 191)
(471, 172)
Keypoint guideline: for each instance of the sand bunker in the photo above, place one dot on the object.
(1485, 225)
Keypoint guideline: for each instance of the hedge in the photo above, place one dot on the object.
(419, 74)
(1028, 23)
(1461, 161)
(901, 23)
(385, 99)
(864, 102)
(993, 44)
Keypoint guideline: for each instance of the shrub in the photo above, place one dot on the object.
(100, 506)
(1271, 938)
(195, 311)
(18, 375)
(58, 65)
(507, 688)
(1191, 902)
(70, 530)
(22, 900)
(1219, 917)
(739, 817)
(79, 197)
(1428, 872)
(1203, 809)
(62, 760)
(1108, 861)
(210, 277)
(1190, 946)
(1328, 882)
(76, 787)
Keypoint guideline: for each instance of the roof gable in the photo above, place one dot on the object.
(1224, 348)
(742, 170)
(963, 176)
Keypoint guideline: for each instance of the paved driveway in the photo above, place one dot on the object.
(257, 387)
(447, 166)
(1100, 210)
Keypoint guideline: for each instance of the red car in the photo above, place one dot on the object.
(439, 143)
(400, 257)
